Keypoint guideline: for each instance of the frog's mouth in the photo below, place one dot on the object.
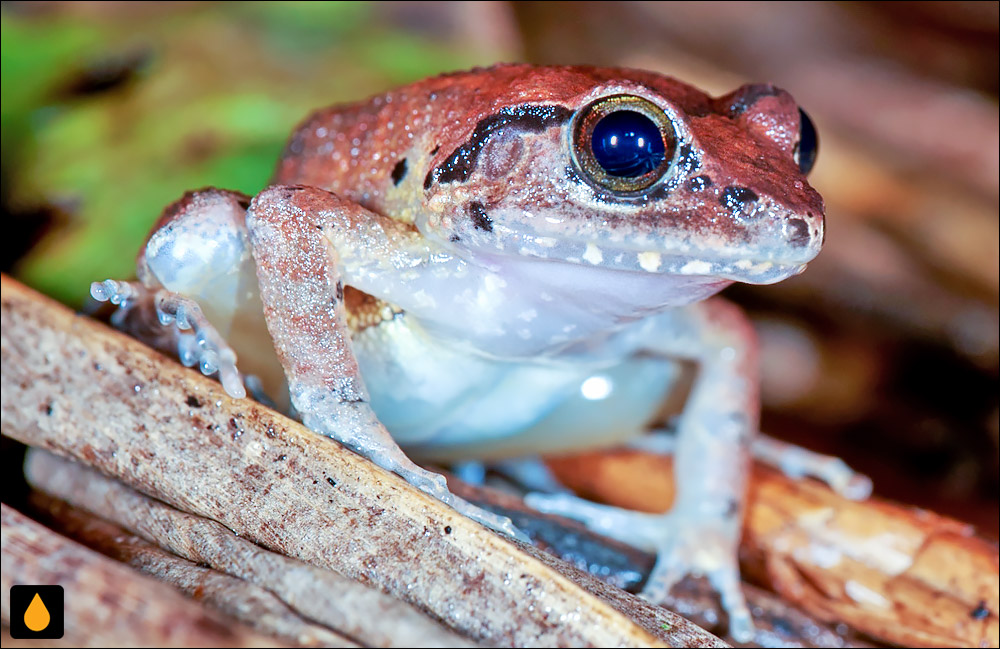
(757, 248)
(717, 263)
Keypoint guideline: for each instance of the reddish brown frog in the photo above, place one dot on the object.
(504, 262)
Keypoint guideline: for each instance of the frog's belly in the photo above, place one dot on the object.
(442, 404)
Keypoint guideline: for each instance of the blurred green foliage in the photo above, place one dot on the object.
(112, 112)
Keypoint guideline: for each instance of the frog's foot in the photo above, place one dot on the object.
(686, 542)
(794, 461)
(373, 442)
(797, 462)
(181, 326)
(198, 342)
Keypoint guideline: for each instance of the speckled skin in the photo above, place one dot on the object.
(437, 261)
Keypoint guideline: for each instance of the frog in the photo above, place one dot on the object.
(502, 263)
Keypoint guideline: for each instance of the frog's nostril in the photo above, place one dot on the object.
(797, 232)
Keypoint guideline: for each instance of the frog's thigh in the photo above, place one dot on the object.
(298, 267)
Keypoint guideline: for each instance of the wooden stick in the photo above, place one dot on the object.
(75, 387)
(358, 611)
(8, 642)
(106, 603)
(899, 574)
(251, 604)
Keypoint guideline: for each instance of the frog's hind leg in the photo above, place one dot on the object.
(700, 534)
(301, 236)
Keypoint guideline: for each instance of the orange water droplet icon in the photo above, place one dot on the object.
(37, 616)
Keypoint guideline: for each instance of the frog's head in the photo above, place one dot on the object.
(629, 170)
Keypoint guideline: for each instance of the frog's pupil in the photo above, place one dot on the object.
(627, 144)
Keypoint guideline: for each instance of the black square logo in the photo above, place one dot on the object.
(36, 612)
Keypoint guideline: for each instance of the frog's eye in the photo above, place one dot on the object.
(808, 144)
(623, 143)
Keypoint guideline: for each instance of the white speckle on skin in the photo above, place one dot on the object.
(650, 261)
(546, 242)
(864, 595)
(528, 315)
(696, 268)
(593, 254)
(824, 556)
(596, 388)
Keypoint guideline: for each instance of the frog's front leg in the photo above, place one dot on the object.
(196, 292)
(700, 534)
(301, 237)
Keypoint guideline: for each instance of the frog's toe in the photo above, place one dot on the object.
(436, 486)
(125, 295)
(679, 557)
(797, 462)
(198, 343)
(495, 522)
(726, 581)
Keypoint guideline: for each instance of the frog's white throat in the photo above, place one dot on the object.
(523, 306)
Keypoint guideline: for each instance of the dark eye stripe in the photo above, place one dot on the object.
(528, 117)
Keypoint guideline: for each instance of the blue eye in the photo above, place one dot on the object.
(808, 146)
(623, 143)
(627, 144)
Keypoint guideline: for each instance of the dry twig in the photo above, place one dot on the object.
(106, 603)
(253, 605)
